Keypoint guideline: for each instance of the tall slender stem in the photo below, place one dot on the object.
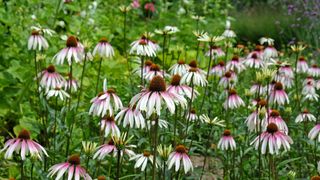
(21, 170)
(118, 163)
(142, 65)
(190, 107)
(206, 154)
(197, 55)
(154, 171)
(163, 53)
(98, 77)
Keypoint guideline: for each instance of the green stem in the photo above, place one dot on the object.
(98, 77)
(142, 65)
(21, 170)
(206, 154)
(163, 53)
(118, 163)
(154, 172)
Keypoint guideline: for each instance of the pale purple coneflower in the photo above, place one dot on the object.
(302, 65)
(192, 115)
(105, 102)
(233, 100)
(73, 51)
(142, 160)
(151, 99)
(314, 71)
(153, 71)
(254, 60)
(227, 142)
(308, 88)
(72, 167)
(184, 90)
(235, 64)
(103, 49)
(50, 78)
(57, 92)
(180, 154)
(216, 52)
(286, 70)
(24, 144)
(270, 53)
(109, 126)
(278, 95)
(286, 81)
(314, 132)
(105, 149)
(131, 116)
(305, 116)
(272, 140)
(309, 92)
(273, 116)
(253, 121)
(309, 79)
(218, 69)
(70, 83)
(228, 80)
(143, 47)
(257, 88)
(195, 75)
(179, 68)
(37, 41)
(161, 124)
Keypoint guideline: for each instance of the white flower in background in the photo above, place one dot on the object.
(215, 121)
(48, 31)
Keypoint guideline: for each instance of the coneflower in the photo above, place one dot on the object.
(278, 95)
(227, 142)
(216, 51)
(103, 49)
(272, 140)
(305, 116)
(274, 117)
(302, 65)
(184, 90)
(314, 71)
(233, 100)
(235, 65)
(109, 126)
(218, 69)
(24, 145)
(73, 51)
(143, 47)
(105, 102)
(142, 160)
(72, 167)
(131, 116)
(254, 60)
(180, 154)
(179, 68)
(195, 75)
(150, 100)
(50, 79)
(153, 71)
(37, 41)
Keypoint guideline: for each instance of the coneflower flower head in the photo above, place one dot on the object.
(24, 144)
(104, 49)
(150, 100)
(37, 41)
(227, 142)
(72, 166)
(72, 51)
(180, 154)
